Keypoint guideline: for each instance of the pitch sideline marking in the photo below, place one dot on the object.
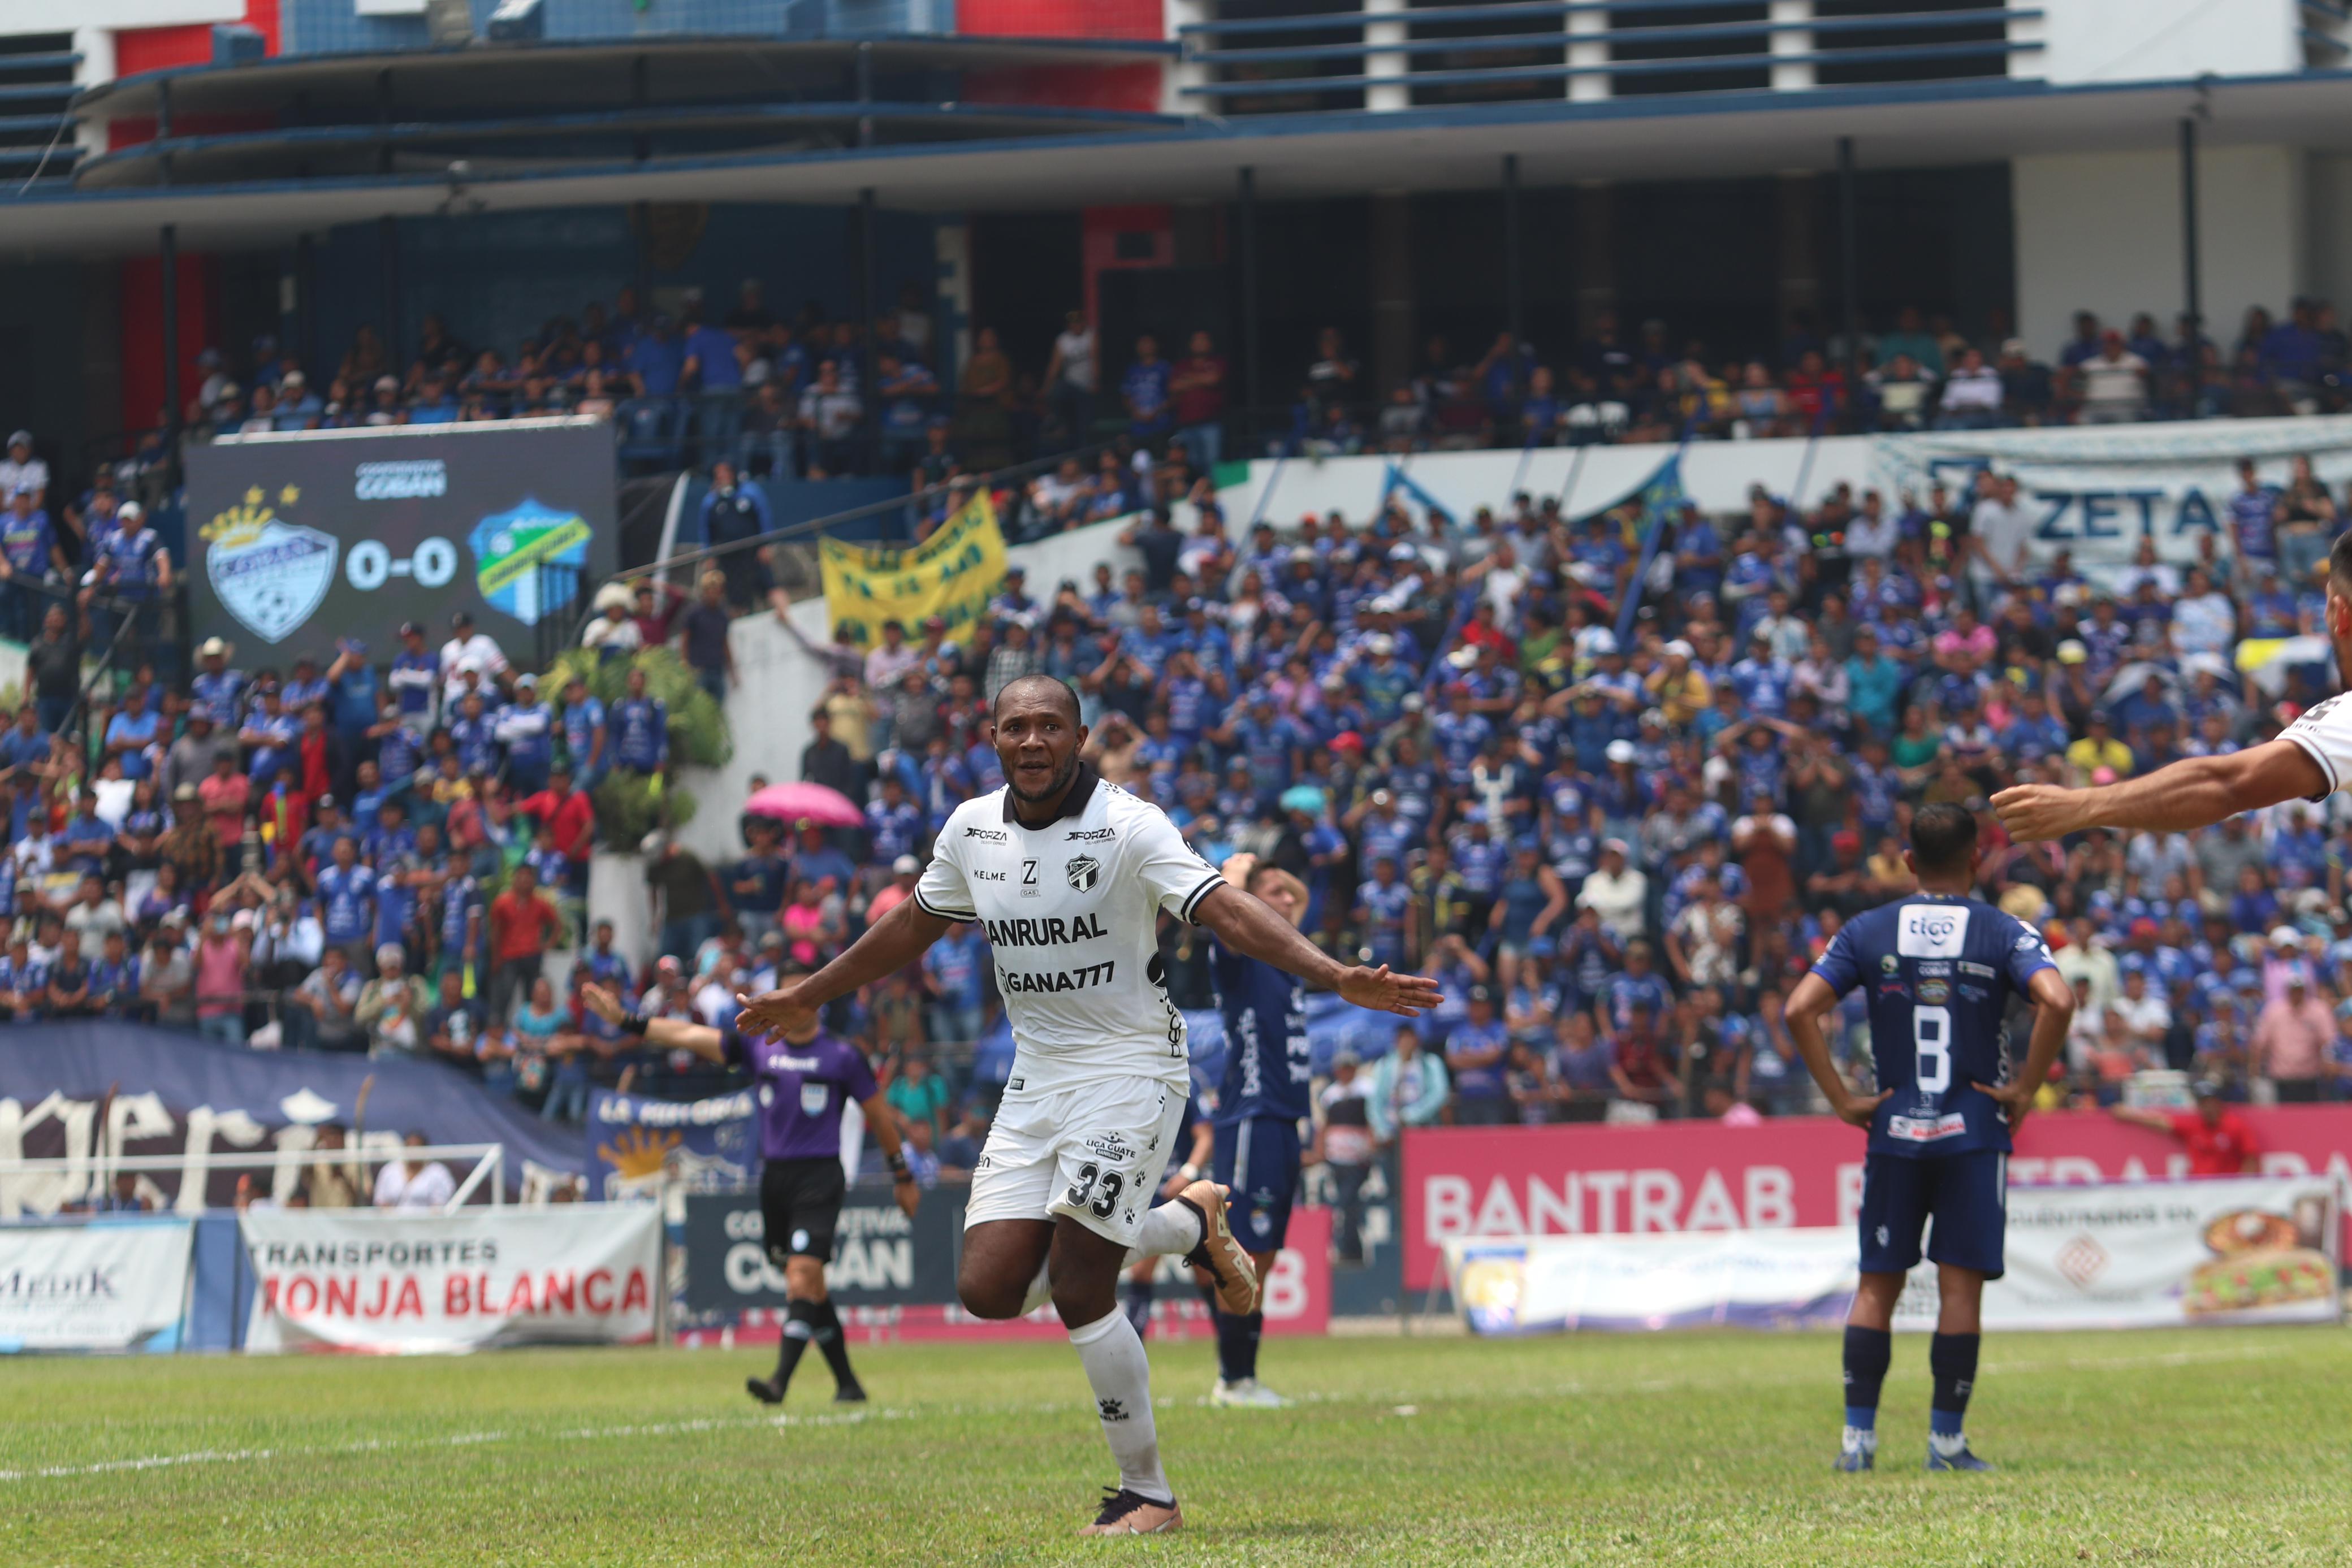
(718, 1424)
(454, 1440)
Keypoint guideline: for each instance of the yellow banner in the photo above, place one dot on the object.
(950, 575)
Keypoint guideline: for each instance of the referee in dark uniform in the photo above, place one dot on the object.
(803, 1085)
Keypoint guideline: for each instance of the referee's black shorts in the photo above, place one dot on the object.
(800, 1205)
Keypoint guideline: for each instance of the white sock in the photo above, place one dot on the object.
(1041, 1290)
(1170, 1228)
(1856, 1440)
(1948, 1443)
(1120, 1377)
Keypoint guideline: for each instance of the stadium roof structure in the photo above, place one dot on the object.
(983, 163)
(529, 108)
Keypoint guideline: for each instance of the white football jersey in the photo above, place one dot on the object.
(1072, 911)
(2323, 731)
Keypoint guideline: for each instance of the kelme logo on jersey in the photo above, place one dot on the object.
(513, 549)
(270, 572)
(1084, 871)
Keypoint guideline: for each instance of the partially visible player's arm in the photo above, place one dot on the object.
(2138, 1118)
(2053, 1012)
(1808, 1005)
(1246, 925)
(669, 1034)
(1196, 1163)
(889, 945)
(882, 1118)
(2195, 792)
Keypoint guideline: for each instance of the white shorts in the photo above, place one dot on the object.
(1093, 1151)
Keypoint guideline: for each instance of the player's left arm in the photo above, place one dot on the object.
(2195, 792)
(1181, 882)
(883, 1117)
(2053, 1013)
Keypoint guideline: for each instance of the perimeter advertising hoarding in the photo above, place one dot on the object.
(1462, 1182)
(301, 539)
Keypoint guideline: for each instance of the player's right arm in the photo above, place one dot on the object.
(889, 945)
(1835, 973)
(669, 1034)
(2303, 764)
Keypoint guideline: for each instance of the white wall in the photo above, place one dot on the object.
(2101, 230)
(2128, 40)
(2327, 207)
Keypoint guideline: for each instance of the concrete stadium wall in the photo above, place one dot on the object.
(2143, 40)
(2101, 230)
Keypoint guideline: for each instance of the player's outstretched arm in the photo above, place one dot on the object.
(1246, 925)
(889, 945)
(669, 1034)
(2195, 792)
(1809, 1004)
(2053, 1014)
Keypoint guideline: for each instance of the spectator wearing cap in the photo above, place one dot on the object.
(2291, 1040)
(733, 513)
(1617, 892)
(392, 1006)
(29, 553)
(21, 467)
(468, 649)
(524, 728)
(414, 679)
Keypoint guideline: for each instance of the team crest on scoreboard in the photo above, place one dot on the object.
(513, 551)
(1084, 871)
(268, 572)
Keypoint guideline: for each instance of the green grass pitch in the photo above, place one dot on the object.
(2216, 1446)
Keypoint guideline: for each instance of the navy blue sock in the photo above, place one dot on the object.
(1139, 1293)
(1237, 1344)
(1867, 1354)
(1952, 1359)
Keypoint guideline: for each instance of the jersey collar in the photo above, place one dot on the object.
(1074, 804)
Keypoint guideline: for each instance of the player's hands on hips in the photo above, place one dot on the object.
(777, 1012)
(1380, 991)
(2031, 811)
(1858, 1109)
(2016, 1100)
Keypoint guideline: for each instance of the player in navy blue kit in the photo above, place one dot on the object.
(1260, 1103)
(805, 1081)
(1940, 969)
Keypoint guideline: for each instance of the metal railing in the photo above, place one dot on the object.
(95, 1170)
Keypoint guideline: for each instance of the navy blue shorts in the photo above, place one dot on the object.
(1966, 1195)
(1258, 1156)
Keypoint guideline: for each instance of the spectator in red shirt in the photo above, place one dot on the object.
(571, 816)
(2219, 1142)
(523, 921)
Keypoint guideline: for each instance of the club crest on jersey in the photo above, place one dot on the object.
(1084, 871)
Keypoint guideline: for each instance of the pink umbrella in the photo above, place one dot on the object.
(827, 807)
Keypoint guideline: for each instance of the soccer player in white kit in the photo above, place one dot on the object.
(2310, 760)
(1068, 877)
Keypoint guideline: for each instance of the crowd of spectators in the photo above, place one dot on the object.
(1920, 372)
(1619, 852)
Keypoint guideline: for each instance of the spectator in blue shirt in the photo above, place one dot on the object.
(640, 728)
(1145, 387)
(657, 361)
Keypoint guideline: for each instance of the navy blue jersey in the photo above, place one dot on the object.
(1267, 1062)
(1939, 971)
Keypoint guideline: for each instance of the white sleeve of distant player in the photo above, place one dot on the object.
(1176, 875)
(943, 890)
(2324, 733)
